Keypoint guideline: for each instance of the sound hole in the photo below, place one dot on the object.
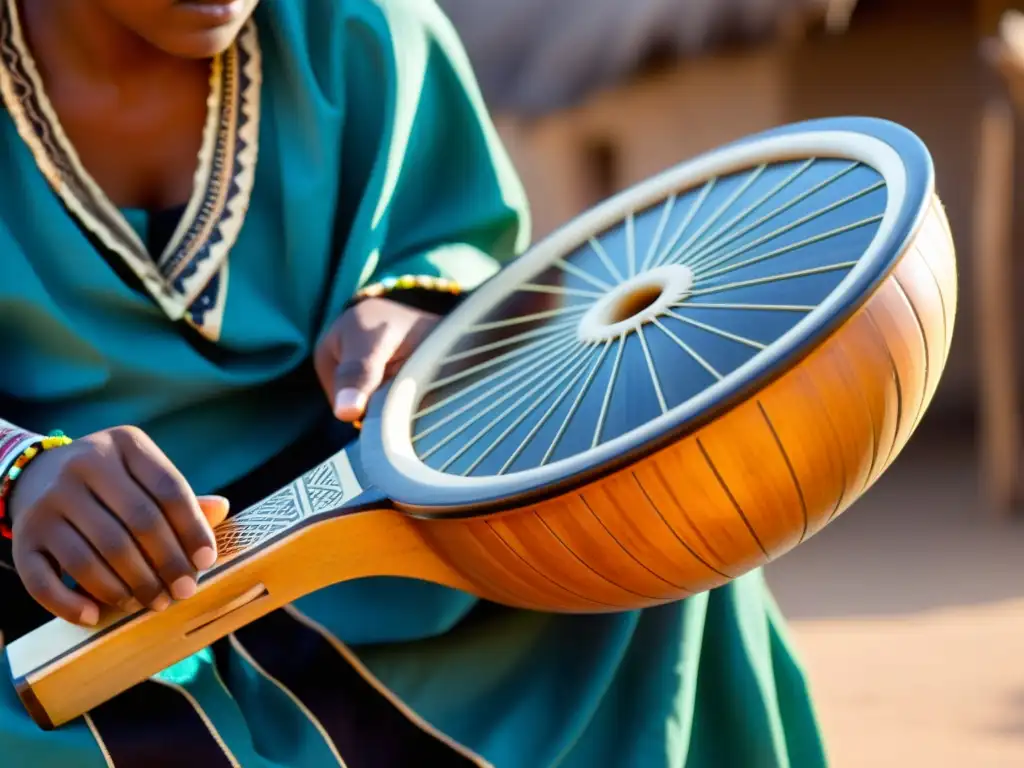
(634, 302)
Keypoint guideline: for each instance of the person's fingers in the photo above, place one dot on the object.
(325, 358)
(361, 370)
(165, 485)
(214, 508)
(363, 349)
(133, 499)
(121, 553)
(87, 567)
(43, 583)
(419, 331)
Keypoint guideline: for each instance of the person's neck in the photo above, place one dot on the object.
(89, 39)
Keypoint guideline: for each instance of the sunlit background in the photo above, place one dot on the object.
(909, 610)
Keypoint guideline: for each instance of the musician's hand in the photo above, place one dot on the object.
(363, 348)
(113, 513)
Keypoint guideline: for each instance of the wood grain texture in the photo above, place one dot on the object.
(729, 497)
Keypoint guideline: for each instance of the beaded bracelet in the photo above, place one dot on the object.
(55, 439)
(408, 282)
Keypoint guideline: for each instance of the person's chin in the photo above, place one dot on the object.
(203, 28)
(198, 44)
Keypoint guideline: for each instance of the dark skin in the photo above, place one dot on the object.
(129, 80)
(130, 74)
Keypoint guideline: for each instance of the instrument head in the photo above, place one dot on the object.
(650, 316)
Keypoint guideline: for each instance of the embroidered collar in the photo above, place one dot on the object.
(189, 279)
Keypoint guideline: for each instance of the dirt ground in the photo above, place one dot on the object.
(909, 611)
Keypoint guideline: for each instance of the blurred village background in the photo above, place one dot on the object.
(909, 610)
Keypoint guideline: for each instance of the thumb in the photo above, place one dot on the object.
(358, 376)
(215, 508)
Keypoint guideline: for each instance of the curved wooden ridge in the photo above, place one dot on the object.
(745, 488)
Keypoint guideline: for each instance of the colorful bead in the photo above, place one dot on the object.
(55, 440)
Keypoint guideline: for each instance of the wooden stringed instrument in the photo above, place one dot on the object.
(730, 355)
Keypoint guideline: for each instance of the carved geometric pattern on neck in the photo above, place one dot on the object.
(322, 489)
